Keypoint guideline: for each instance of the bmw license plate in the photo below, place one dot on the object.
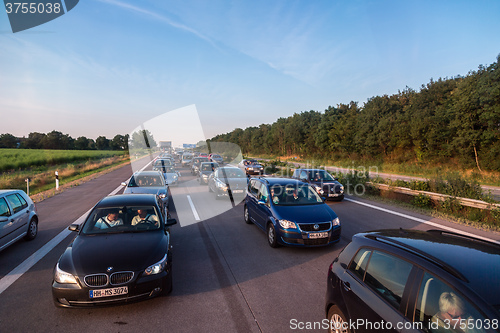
(238, 191)
(333, 195)
(318, 235)
(108, 292)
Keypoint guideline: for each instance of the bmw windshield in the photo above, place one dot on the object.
(122, 219)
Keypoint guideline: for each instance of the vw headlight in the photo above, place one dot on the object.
(158, 267)
(336, 222)
(61, 276)
(319, 189)
(341, 188)
(285, 224)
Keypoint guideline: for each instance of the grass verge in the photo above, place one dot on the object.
(44, 181)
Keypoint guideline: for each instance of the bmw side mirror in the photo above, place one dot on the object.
(170, 222)
(74, 227)
(124, 184)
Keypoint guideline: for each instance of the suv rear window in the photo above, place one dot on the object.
(358, 264)
(387, 275)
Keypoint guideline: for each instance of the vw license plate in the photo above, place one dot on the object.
(318, 235)
(238, 191)
(108, 292)
(333, 195)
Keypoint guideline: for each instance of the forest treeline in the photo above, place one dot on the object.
(451, 120)
(58, 140)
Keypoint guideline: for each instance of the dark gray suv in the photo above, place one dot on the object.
(414, 281)
(18, 217)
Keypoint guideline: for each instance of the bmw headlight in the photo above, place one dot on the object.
(336, 222)
(285, 224)
(61, 276)
(158, 267)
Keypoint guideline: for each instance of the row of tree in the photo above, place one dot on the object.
(449, 119)
(58, 140)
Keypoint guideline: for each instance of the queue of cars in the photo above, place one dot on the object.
(122, 252)
(396, 278)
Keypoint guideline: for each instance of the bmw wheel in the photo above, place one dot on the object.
(338, 322)
(272, 239)
(246, 215)
(32, 229)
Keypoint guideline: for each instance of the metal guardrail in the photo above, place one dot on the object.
(439, 197)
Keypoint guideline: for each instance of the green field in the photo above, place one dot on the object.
(22, 159)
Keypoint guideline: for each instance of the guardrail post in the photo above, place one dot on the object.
(57, 180)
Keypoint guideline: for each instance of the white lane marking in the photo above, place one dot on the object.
(17, 272)
(465, 233)
(195, 213)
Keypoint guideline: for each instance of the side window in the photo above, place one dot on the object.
(15, 203)
(303, 175)
(441, 309)
(358, 264)
(296, 174)
(253, 187)
(4, 208)
(23, 202)
(387, 275)
(263, 194)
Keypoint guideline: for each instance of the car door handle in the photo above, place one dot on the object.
(346, 285)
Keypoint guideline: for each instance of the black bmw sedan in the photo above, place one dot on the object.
(122, 253)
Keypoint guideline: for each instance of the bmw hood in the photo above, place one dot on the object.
(145, 190)
(91, 254)
(306, 213)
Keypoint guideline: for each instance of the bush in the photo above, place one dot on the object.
(451, 205)
(422, 201)
(458, 186)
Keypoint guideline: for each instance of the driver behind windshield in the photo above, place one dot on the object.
(112, 219)
(144, 217)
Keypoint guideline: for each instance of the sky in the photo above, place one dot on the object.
(108, 66)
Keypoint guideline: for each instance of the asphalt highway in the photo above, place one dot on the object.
(226, 277)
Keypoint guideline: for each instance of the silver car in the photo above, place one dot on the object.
(18, 217)
(228, 182)
(149, 182)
